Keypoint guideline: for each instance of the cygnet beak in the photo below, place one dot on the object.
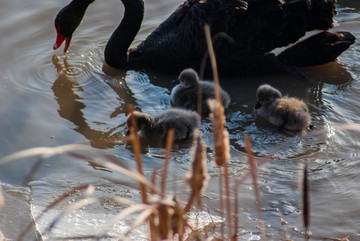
(257, 106)
(175, 82)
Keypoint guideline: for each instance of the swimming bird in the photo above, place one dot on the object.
(255, 28)
(283, 112)
(156, 128)
(185, 94)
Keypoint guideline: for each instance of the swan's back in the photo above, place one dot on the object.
(179, 42)
(255, 26)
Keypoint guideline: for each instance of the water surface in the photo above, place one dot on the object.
(51, 99)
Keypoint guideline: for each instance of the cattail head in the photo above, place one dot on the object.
(199, 176)
(220, 134)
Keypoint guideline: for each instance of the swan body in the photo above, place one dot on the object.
(283, 112)
(185, 94)
(253, 29)
(156, 128)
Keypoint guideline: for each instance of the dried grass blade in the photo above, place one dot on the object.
(89, 237)
(255, 185)
(127, 211)
(33, 171)
(52, 205)
(140, 219)
(77, 205)
(44, 152)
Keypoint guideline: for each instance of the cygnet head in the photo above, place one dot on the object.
(266, 94)
(188, 78)
(142, 120)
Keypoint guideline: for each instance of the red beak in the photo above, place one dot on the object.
(60, 39)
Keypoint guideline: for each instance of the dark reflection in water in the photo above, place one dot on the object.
(71, 106)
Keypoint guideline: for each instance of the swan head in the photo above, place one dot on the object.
(188, 78)
(66, 22)
(266, 94)
(142, 121)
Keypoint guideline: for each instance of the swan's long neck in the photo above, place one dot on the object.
(119, 42)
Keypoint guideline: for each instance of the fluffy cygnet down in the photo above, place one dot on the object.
(185, 94)
(156, 128)
(283, 112)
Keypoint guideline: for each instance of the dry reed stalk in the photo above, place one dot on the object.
(236, 215)
(306, 201)
(52, 205)
(168, 218)
(199, 176)
(220, 135)
(255, 185)
(213, 63)
(222, 150)
(137, 151)
(169, 142)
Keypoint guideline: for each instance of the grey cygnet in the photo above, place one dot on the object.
(283, 112)
(185, 94)
(156, 128)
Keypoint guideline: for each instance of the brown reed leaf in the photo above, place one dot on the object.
(52, 205)
(199, 176)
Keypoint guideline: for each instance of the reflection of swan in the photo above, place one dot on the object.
(284, 112)
(256, 26)
(182, 121)
(71, 107)
(185, 94)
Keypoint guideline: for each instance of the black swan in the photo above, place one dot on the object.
(156, 128)
(256, 27)
(283, 112)
(185, 94)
